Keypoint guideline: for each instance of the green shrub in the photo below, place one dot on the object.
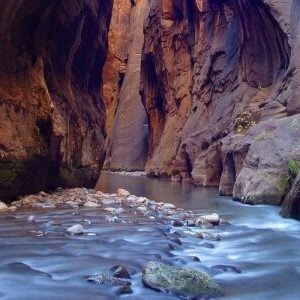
(293, 169)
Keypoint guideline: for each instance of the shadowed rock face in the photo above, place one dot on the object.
(126, 125)
(51, 112)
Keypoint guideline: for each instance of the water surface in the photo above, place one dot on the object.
(40, 261)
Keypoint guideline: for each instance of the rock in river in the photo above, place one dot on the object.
(180, 281)
(75, 229)
(3, 207)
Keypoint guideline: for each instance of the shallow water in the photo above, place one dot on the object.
(40, 261)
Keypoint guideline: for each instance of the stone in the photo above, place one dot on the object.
(183, 282)
(76, 229)
(108, 280)
(123, 193)
(120, 271)
(212, 218)
(90, 204)
(3, 207)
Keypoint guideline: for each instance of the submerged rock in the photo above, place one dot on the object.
(180, 281)
(108, 280)
(225, 268)
(75, 229)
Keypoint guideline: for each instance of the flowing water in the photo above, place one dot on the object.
(40, 261)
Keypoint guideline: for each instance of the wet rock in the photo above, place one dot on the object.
(124, 289)
(168, 206)
(132, 198)
(120, 271)
(115, 211)
(31, 218)
(54, 223)
(200, 222)
(212, 218)
(3, 207)
(90, 204)
(76, 229)
(108, 280)
(111, 219)
(177, 223)
(180, 281)
(108, 201)
(225, 268)
(123, 193)
(209, 236)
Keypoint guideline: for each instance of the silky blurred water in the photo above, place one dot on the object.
(40, 261)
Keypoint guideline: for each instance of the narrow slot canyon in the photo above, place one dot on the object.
(149, 149)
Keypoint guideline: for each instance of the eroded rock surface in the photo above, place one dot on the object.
(51, 111)
(220, 84)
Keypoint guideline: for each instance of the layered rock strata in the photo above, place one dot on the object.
(51, 111)
(220, 84)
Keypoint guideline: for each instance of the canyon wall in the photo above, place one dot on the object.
(220, 85)
(51, 111)
(126, 124)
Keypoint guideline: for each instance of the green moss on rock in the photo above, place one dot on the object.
(180, 281)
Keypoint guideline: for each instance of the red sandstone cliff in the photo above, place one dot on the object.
(220, 85)
(51, 112)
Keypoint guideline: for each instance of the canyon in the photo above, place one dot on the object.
(204, 91)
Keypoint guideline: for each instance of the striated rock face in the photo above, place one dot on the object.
(126, 124)
(51, 112)
(220, 85)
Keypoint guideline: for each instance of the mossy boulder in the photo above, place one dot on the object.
(180, 281)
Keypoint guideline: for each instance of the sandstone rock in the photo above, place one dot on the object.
(123, 193)
(51, 109)
(76, 229)
(126, 124)
(183, 282)
(3, 207)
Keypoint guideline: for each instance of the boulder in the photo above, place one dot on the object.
(183, 282)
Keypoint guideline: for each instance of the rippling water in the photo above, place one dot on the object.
(40, 261)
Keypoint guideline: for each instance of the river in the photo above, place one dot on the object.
(40, 261)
